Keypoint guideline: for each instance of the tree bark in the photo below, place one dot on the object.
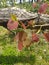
(29, 1)
(20, 1)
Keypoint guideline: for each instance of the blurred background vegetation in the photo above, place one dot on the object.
(6, 3)
(25, 4)
(36, 54)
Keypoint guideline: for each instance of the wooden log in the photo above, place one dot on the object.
(20, 13)
(23, 16)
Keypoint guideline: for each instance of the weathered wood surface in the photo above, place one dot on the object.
(21, 14)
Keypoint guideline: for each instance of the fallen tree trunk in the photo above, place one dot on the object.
(20, 13)
(23, 15)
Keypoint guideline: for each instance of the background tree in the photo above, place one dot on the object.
(32, 1)
(29, 1)
(20, 1)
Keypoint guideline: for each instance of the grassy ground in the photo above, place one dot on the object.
(37, 54)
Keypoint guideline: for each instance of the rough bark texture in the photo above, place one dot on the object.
(23, 16)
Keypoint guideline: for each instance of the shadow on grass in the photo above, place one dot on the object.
(17, 59)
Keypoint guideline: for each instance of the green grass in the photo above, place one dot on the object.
(37, 54)
(27, 6)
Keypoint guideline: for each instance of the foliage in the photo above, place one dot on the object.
(26, 5)
(23, 46)
(25, 37)
(36, 54)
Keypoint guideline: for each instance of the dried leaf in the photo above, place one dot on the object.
(20, 45)
(12, 25)
(43, 8)
(46, 36)
(22, 36)
(35, 37)
(27, 42)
